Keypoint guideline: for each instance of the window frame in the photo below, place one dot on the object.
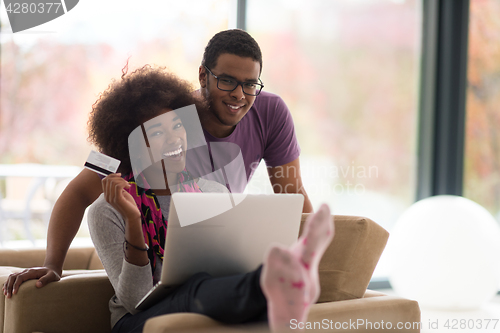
(442, 107)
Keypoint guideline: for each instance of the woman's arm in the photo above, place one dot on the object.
(113, 218)
(114, 192)
(64, 223)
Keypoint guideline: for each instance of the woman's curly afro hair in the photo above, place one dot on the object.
(127, 103)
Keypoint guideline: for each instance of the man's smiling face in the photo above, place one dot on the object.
(227, 108)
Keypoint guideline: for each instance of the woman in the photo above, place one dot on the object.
(128, 221)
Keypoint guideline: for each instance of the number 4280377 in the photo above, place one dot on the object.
(25, 8)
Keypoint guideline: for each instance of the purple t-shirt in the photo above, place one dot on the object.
(265, 132)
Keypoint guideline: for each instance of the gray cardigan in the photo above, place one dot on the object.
(130, 282)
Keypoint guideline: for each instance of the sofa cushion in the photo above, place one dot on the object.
(95, 262)
(180, 321)
(76, 258)
(22, 257)
(348, 263)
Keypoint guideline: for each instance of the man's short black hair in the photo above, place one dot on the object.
(233, 41)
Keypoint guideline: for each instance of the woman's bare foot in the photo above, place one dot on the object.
(317, 235)
(290, 279)
(285, 283)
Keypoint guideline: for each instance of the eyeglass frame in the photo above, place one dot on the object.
(238, 83)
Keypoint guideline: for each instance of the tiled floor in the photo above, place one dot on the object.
(484, 319)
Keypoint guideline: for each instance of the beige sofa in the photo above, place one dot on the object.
(79, 302)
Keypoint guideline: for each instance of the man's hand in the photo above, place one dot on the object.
(44, 275)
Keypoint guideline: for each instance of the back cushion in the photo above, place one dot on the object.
(348, 263)
(95, 262)
(76, 258)
(22, 257)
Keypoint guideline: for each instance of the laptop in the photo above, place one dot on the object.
(222, 234)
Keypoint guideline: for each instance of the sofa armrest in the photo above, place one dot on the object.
(76, 303)
(357, 315)
(367, 314)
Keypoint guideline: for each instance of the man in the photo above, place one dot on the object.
(239, 114)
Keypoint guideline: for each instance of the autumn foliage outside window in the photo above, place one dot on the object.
(482, 141)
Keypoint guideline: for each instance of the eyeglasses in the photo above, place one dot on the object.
(228, 84)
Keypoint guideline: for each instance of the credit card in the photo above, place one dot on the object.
(102, 164)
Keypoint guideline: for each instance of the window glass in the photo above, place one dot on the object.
(482, 138)
(348, 71)
(51, 75)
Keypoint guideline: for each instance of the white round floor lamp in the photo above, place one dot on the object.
(445, 253)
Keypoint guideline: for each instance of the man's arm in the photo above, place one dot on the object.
(65, 221)
(287, 179)
(67, 216)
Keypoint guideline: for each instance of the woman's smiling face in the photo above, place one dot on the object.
(167, 140)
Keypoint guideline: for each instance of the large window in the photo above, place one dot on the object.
(482, 139)
(348, 71)
(52, 74)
